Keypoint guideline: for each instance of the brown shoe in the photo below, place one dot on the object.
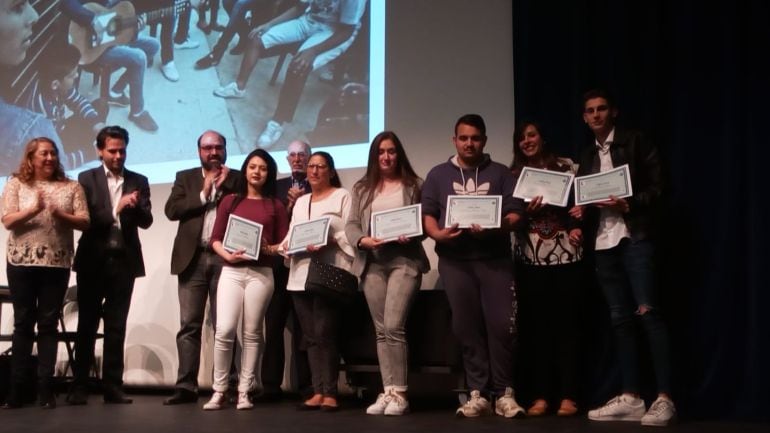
(567, 408)
(538, 408)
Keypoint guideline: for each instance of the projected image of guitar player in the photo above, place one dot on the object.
(147, 66)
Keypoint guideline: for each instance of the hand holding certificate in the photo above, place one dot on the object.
(600, 186)
(314, 232)
(553, 186)
(391, 224)
(466, 210)
(243, 235)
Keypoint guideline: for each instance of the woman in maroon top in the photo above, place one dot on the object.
(245, 285)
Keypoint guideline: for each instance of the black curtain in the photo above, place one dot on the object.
(692, 74)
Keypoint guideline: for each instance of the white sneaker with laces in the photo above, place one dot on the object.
(474, 407)
(244, 402)
(398, 406)
(378, 407)
(270, 135)
(217, 401)
(170, 72)
(661, 412)
(188, 44)
(506, 405)
(230, 91)
(621, 408)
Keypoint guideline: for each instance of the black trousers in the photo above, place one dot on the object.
(37, 293)
(104, 292)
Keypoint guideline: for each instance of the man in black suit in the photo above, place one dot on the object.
(107, 261)
(288, 190)
(193, 202)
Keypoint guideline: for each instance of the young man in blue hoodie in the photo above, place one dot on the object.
(476, 268)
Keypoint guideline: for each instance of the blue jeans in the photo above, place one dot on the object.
(627, 276)
(133, 57)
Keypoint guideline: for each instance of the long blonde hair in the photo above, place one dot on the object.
(26, 172)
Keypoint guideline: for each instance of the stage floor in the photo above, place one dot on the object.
(147, 414)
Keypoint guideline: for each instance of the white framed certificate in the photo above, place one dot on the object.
(600, 186)
(389, 225)
(313, 232)
(553, 186)
(464, 210)
(243, 234)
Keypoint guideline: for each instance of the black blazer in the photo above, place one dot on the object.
(184, 205)
(641, 155)
(92, 247)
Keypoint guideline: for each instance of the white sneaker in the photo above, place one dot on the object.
(474, 407)
(170, 72)
(660, 413)
(621, 408)
(506, 405)
(378, 407)
(398, 406)
(230, 91)
(188, 44)
(244, 402)
(217, 401)
(270, 135)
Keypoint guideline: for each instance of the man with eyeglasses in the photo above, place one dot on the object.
(288, 189)
(193, 202)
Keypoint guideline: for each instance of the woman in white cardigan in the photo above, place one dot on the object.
(318, 316)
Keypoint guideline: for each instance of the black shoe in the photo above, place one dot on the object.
(121, 101)
(206, 62)
(78, 395)
(144, 121)
(13, 400)
(181, 396)
(115, 395)
(45, 395)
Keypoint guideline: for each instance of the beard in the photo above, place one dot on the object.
(212, 163)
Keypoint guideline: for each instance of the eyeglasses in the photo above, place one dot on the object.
(212, 147)
(298, 155)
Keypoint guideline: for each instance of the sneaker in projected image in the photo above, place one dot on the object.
(270, 135)
(230, 91)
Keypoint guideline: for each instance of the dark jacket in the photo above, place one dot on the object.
(93, 247)
(184, 205)
(632, 148)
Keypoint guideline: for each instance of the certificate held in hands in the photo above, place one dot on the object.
(313, 232)
(389, 225)
(243, 234)
(600, 186)
(553, 186)
(465, 210)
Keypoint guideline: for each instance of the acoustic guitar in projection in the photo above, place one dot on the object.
(118, 25)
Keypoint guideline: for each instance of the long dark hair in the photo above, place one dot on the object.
(268, 189)
(366, 186)
(520, 160)
(334, 179)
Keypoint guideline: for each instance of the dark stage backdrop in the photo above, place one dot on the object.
(693, 76)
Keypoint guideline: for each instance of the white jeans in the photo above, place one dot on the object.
(243, 295)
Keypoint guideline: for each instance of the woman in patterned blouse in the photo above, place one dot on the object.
(41, 207)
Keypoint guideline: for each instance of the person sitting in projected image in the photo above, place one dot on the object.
(325, 29)
(238, 24)
(54, 95)
(133, 57)
(17, 125)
